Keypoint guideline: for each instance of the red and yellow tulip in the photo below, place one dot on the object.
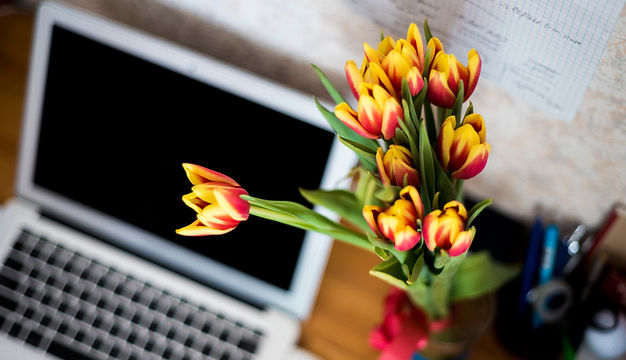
(445, 229)
(377, 114)
(377, 85)
(446, 72)
(463, 151)
(398, 223)
(395, 167)
(216, 199)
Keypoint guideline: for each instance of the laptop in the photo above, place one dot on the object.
(91, 266)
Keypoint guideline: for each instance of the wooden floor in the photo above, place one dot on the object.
(350, 300)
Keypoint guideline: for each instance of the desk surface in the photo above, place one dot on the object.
(349, 303)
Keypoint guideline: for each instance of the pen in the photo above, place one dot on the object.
(548, 258)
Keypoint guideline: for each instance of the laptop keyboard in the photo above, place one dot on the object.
(74, 307)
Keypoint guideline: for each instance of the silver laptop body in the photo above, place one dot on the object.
(91, 266)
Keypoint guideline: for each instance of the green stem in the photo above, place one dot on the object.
(336, 230)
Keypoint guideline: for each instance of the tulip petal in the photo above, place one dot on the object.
(429, 229)
(384, 178)
(478, 123)
(370, 114)
(414, 196)
(475, 163)
(383, 78)
(198, 175)
(406, 238)
(464, 139)
(370, 213)
(197, 229)
(414, 38)
(353, 74)
(446, 136)
(193, 201)
(396, 66)
(415, 81)
(347, 116)
(232, 203)
(371, 54)
(439, 92)
(474, 64)
(458, 207)
(435, 46)
(391, 113)
(462, 242)
(385, 46)
(389, 226)
(217, 218)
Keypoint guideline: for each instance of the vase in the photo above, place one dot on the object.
(468, 322)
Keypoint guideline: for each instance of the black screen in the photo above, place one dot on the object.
(116, 129)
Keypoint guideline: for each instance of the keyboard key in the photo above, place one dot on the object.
(63, 351)
(248, 344)
(14, 263)
(8, 282)
(15, 330)
(7, 302)
(34, 338)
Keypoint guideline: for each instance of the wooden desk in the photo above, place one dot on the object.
(350, 300)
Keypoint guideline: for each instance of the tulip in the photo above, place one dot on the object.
(403, 62)
(445, 74)
(395, 167)
(463, 150)
(216, 199)
(398, 223)
(377, 115)
(404, 328)
(445, 229)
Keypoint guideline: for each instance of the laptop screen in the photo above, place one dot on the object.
(113, 134)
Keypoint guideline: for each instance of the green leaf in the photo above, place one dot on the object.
(426, 161)
(417, 268)
(427, 32)
(400, 138)
(477, 209)
(458, 104)
(429, 120)
(297, 215)
(442, 283)
(345, 132)
(469, 110)
(479, 274)
(429, 259)
(388, 193)
(332, 91)
(391, 272)
(410, 115)
(445, 186)
(418, 102)
(435, 201)
(407, 132)
(367, 158)
(427, 56)
(382, 254)
(342, 202)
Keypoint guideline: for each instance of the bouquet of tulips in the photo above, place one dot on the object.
(416, 145)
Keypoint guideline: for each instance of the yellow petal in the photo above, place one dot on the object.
(198, 175)
(446, 136)
(478, 123)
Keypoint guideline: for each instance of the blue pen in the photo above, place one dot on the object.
(531, 264)
(548, 258)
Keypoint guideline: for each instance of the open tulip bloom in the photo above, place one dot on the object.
(416, 145)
